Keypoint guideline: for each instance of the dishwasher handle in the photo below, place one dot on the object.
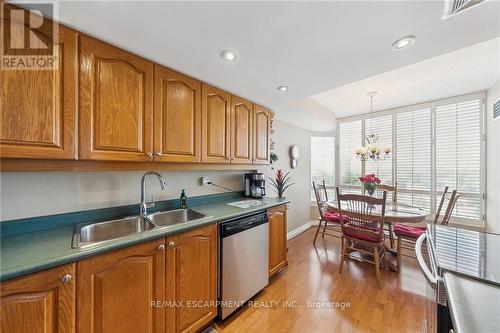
(429, 276)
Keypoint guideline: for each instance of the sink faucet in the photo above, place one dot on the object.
(144, 205)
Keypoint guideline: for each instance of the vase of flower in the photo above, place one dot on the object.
(370, 183)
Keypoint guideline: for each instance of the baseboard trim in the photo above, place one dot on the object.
(297, 231)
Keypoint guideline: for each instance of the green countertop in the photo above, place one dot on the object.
(26, 253)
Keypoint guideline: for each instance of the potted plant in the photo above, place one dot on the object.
(370, 183)
(281, 183)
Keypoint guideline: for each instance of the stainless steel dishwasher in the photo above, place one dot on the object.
(244, 264)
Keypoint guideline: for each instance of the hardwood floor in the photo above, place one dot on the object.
(312, 276)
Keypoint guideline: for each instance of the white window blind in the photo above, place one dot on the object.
(349, 164)
(458, 154)
(413, 156)
(436, 144)
(323, 162)
(383, 127)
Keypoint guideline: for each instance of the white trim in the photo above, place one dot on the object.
(297, 231)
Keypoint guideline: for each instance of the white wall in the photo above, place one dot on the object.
(493, 169)
(27, 194)
(285, 136)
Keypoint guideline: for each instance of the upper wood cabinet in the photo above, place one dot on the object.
(262, 119)
(192, 277)
(116, 290)
(177, 117)
(216, 120)
(38, 107)
(241, 130)
(278, 246)
(116, 103)
(40, 302)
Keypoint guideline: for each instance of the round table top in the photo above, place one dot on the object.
(394, 212)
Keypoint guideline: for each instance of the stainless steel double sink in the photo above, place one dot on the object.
(93, 234)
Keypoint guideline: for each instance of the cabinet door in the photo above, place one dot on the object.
(261, 135)
(38, 107)
(116, 290)
(241, 127)
(277, 239)
(216, 119)
(39, 302)
(116, 103)
(177, 115)
(192, 279)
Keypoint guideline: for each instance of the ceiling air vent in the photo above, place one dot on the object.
(496, 109)
(452, 7)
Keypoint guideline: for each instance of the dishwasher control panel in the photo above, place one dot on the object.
(231, 227)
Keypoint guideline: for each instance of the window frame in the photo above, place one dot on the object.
(433, 191)
(324, 135)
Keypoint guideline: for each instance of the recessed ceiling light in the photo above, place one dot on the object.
(403, 43)
(283, 88)
(228, 55)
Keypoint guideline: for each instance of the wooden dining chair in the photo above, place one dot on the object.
(407, 235)
(328, 221)
(364, 230)
(393, 192)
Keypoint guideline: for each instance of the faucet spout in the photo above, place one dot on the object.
(144, 206)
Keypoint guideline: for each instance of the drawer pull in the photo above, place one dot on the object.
(66, 278)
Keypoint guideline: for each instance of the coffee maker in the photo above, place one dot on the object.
(255, 185)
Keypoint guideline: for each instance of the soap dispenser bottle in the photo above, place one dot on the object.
(183, 199)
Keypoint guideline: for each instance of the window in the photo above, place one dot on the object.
(458, 154)
(413, 157)
(435, 144)
(323, 162)
(349, 137)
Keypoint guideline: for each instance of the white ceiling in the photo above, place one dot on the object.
(310, 46)
(470, 69)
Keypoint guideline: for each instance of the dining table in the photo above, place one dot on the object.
(395, 212)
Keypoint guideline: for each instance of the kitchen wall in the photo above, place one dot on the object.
(493, 170)
(285, 136)
(26, 194)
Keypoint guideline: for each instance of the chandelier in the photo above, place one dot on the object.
(371, 150)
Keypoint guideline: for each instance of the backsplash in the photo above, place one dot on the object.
(28, 194)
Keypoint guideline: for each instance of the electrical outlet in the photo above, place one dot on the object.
(205, 180)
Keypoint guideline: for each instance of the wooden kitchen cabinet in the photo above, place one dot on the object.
(39, 302)
(192, 277)
(241, 131)
(116, 103)
(116, 290)
(38, 107)
(262, 120)
(278, 246)
(177, 117)
(216, 130)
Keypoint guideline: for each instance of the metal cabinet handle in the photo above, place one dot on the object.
(66, 278)
(149, 154)
(161, 247)
(158, 153)
(171, 244)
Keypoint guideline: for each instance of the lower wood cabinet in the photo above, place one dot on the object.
(40, 302)
(115, 290)
(151, 287)
(277, 239)
(192, 279)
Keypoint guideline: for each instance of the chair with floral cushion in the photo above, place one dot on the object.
(408, 235)
(327, 220)
(364, 231)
